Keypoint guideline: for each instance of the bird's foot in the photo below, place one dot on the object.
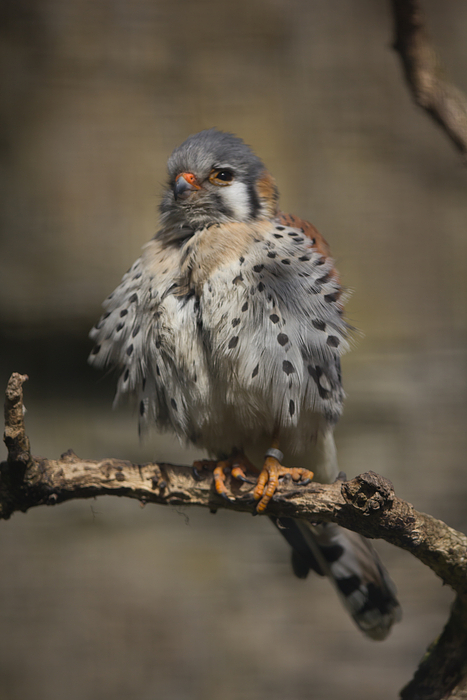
(237, 464)
(272, 471)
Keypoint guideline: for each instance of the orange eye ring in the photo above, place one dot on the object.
(222, 177)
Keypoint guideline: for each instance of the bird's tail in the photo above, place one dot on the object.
(353, 566)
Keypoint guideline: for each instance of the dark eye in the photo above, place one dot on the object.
(221, 177)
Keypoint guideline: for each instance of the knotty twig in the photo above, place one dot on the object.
(366, 504)
(430, 88)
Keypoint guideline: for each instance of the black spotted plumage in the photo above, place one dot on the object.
(229, 330)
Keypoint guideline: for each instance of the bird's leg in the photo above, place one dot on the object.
(238, 464)
(268, 479)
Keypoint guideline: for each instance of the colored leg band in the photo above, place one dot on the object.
(273, 452)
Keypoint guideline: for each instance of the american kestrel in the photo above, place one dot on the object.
(229, 329)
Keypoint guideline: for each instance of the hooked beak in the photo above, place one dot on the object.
(185, 184)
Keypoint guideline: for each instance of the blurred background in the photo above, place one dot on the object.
(103, 599)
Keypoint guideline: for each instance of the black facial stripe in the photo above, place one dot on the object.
(254, 201)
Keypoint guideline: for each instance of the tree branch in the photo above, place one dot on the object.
(443, 671)
(366, 504)
(430, 88)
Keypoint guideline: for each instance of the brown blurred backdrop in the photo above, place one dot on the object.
(102, 599)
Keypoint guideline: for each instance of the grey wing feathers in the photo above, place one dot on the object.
(120, 332)
(135, 336)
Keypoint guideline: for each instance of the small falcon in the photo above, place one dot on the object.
(229, 330)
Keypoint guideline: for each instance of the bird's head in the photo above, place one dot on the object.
(214, 177)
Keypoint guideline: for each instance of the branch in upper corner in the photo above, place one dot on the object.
(445, 103)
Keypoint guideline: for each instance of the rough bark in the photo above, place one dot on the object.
(366, 504)
(427, 81)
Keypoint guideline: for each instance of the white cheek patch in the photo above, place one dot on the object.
(237, 199)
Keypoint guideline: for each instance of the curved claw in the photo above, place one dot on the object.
(196, 473)
(239, 474)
